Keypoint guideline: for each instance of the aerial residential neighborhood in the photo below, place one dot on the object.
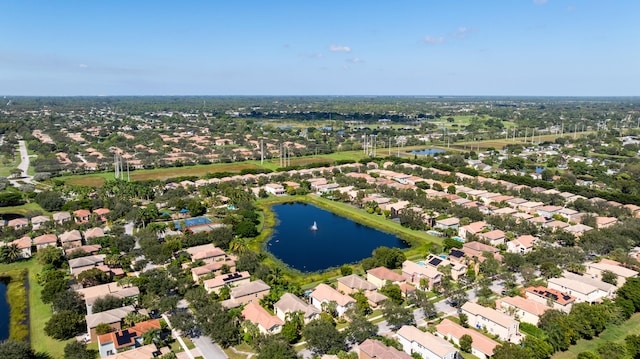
(480, 263)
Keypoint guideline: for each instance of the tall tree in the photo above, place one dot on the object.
(323, 337)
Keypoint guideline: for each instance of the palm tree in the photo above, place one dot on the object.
(12, 252)
(239, 245)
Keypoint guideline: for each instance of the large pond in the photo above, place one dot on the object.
(336, 241)
(4, 313)
(427, 152)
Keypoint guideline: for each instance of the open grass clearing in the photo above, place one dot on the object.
(23, 209)
(614, 333)
(39, 312)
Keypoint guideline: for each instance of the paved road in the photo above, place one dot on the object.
(24, 155)
(208, 349)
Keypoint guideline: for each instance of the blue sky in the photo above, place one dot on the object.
(313, 47)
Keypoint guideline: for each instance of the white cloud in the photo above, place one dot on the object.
(461, 33)
(540, 2)
(434, 40)
(571, 8)
(356, 60)
(83, 66)
(339, 48)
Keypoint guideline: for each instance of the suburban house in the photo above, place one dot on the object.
(354, 283)
(447, 223)
(206, 252)
(23, 244)
(101, 214)
(231, 279)
(88, 249)
(113, 317)
(130, 293)
(429, 346)
(477, 249)
(61, 217)
(548, 211)
(125, 339)
(266, 323)
(45, 240)
(582, 291)
(521, 245)
(578, 229)
(18, 223)
(481, 346)
(325, 294)
(275, 189)
(373, 349)
(95, 232)
(379, 276)
(570, 214)
(290, 303)
(522, 309)
(473, 228)
(610, 289)
(495, 237)
(38, 221)
(605, 222)
(81, 264)
(214, 268)
(71, 239)
(457, 269)
(551, 297)
(413, 273)
(530, 207)
(247, 293)
(494, 322)
(82, 215)
(595, 270)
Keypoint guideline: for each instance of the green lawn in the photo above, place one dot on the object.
(39, 313)
(615, 333)
(5, 170)
(23, 209)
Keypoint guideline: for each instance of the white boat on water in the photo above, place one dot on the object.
(314, 227)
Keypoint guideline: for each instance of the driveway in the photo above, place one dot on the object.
(208, 349)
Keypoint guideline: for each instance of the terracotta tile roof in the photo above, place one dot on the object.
(375, 349)
(126, 337)
(556, 295)
(481, 343)
(324, 292)
(385, 273)
(254, 313)
(354, 281)
(527, 305)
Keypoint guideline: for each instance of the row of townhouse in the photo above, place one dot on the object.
(67, 240)
(79, 216)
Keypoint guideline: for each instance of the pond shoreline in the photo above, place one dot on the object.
(419, 242)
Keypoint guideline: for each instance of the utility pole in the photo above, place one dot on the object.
(261, 151)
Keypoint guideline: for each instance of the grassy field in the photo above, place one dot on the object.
(23, 209)
(615, 333)
(5, 170)
(17, 300)
(98, 179)
(39, 313)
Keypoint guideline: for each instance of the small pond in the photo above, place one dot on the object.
(427, 152)
(335, 241)
(4, 313)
